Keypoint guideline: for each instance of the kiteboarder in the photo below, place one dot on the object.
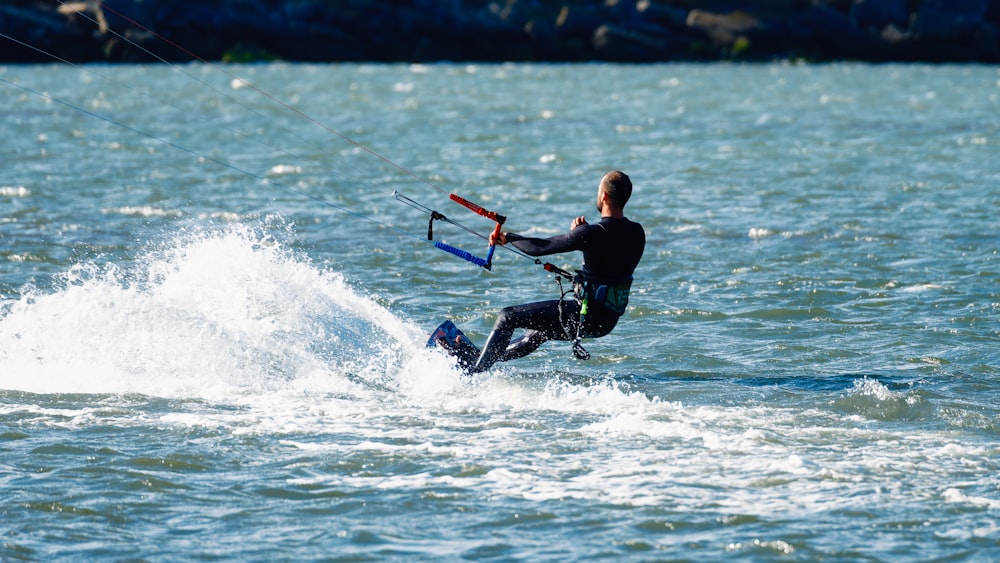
(611, 250)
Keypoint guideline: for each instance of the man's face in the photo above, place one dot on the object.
(600, 199)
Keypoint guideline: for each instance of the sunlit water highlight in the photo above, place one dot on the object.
(198, 364)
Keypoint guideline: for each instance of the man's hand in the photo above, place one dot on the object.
(577, 222)
(498, 238)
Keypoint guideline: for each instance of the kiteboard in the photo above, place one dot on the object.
(452, 340)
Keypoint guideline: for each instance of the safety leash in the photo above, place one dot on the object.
(579, 352)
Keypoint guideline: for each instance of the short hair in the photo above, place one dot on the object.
(618, 186)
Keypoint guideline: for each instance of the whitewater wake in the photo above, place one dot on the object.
(212, 313)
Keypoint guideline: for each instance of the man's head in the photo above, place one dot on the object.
(617, 187)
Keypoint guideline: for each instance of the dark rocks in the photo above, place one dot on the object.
(500, 30)
(30, 35)
(725, 29)
(874, 16)
(946, 19)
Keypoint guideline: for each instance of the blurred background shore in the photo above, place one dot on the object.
(501, 30)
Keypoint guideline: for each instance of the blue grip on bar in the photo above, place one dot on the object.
(463, 254)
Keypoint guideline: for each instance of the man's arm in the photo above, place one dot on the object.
(541, 246)
(533, 246)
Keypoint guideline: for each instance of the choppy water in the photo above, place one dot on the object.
(197, 364)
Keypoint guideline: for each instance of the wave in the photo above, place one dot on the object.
(142, 211)
(14, 191)
(211, 313)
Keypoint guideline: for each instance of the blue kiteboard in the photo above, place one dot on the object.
(451, 339)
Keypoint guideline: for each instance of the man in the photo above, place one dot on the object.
(611, 251)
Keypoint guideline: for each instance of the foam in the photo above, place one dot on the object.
(211, 314)
(142, 211)
(14, 191)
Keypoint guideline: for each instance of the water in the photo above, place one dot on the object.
(199, 364)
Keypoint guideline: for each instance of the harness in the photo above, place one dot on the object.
(613, 297)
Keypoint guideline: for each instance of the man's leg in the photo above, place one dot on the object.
(543, 321)
(524, 345)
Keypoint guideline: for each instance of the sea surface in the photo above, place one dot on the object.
(213, 314)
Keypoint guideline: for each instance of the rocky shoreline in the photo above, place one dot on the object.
(501, 30)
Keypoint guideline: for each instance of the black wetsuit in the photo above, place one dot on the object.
(611, 251)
